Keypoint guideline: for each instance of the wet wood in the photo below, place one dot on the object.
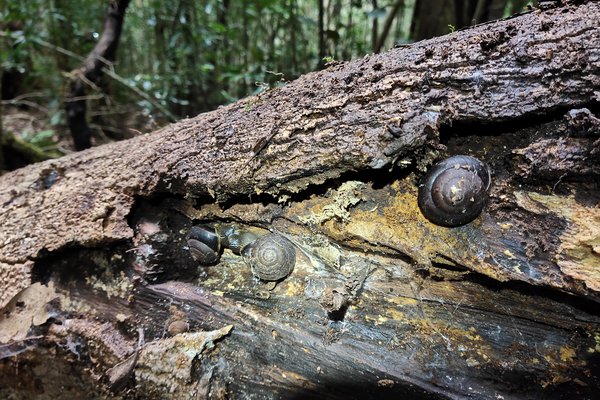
(381, 302)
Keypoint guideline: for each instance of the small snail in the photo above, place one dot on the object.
(204, 244)
(454, 190)
(271, 257)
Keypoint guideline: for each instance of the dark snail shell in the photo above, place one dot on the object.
(271, 257)
(204, 244)
(454, 190)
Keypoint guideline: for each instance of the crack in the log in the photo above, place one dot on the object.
(376, 177)
(559, 39)
(375, 248)
(587, 306)
(458, 127)
(262, 144)
(488, 311)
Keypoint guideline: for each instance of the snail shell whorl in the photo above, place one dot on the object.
(204, 244)
(454, 190)
(271, 257)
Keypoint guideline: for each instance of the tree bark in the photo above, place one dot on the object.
(97, 285)
(90, 72)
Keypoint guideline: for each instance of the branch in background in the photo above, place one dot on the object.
(459, 13)
(102, 55)
(59, 49)
(414, 18)
(21, 100)
(387, 25)
(109, 71)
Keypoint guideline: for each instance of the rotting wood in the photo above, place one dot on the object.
(327, 123)
(471, 311)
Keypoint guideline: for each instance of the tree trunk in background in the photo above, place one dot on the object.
(62, 33)
(518, 6)
(495, 9)
(374, 28)
(2, 163)
(195, 90)
(223, 16)
(321, 28)
(11, 83)
(97, 288)
(388, 25)
(480, 11)
(90, 72)
(293, 26)
(11, 78)
(459, 15)
(245, 45)
(488, 10)
(433, 18)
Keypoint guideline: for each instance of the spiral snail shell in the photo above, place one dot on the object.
(271, 257)
(204, 244)
(453, 192)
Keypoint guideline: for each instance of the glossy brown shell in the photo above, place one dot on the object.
(204, 244)
(454, 191)
(271, 257)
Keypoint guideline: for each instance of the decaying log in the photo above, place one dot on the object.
(96, 279)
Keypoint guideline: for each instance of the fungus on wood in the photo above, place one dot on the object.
(95, 271)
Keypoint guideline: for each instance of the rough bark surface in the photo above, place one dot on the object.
(504, 306)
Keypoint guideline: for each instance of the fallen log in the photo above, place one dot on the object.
(96, 277)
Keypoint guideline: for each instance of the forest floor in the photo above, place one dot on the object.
(37, 133)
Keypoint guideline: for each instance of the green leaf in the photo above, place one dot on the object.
(56, 118)
(206, 67)
(42, 138)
